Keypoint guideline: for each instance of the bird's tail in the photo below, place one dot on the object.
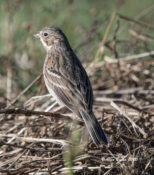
(96, 132)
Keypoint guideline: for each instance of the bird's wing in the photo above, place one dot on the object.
(69, 81)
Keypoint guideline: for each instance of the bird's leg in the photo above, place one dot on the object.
(51, 107)
(58, 108)
(35, 99)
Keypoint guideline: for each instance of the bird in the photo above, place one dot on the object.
(67, 80)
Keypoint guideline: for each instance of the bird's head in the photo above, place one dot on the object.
(49, 36)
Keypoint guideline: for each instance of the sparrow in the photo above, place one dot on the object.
(67, 80)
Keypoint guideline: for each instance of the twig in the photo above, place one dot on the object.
(128, 58)
(79, 168)
(128, 91)
(27, 164)
(109, 100)
(100, 50)
(128, 104)
(140, 36)
(129, 119)
(145, 12)
(135, 21)
(35, 99)
(140, 15)
(9, 83)
(25, 90)
(90, 34)
(38, 140)
(33, 148)
(19, 133)
(17, 158)
(31, 112)
(105, 36)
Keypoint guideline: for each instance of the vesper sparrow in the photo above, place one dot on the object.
(67, 80)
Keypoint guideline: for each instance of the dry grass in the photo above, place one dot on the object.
(38, 143)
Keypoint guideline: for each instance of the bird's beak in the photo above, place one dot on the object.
(37, 35)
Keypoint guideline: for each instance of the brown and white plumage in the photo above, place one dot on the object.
(67, 80)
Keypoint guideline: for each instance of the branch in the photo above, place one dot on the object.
(15, 111)
(135, 21)
(38, 140)
(128, 58)
(25, 90)
(134, 125)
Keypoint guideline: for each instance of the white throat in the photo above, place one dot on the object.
(45, 45)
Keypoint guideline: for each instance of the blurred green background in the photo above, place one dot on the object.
(23, 56)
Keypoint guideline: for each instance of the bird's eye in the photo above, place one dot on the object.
(45, 34)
